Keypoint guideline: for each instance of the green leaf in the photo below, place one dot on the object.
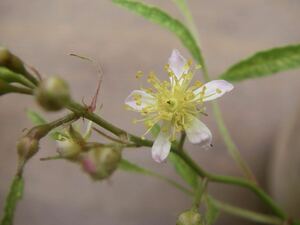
(35, 118)
(130, 167)
(212, 212)
(160, 17)
(265, 63)
(15, 194)
(184, 170)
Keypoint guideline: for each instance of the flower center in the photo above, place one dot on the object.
(175, 103)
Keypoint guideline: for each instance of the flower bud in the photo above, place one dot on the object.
(101, 162)
(69, 149)
(70, 146)
(12, 62)
(28, 145)
(52, 94)
(190, 217)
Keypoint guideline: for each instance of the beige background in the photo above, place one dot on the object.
(44, 32)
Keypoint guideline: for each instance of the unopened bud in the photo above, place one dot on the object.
(190, 217)
(52, 94)
(69, 149)
(28, 145)
(12, 62)
(101, 162)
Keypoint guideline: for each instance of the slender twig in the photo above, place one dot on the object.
(80, 110)
(234, 181)
(182, 140)
(246, 214)
(111, 138)
(200, 192)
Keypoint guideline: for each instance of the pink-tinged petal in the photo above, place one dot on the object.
(214, 89)
(145, 100)
(177, 64)
(198, 133)
(89, 165)
(161, 147)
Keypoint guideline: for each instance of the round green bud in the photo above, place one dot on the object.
(101, 162)
(27, 147)
(190, 217)
(52, 94)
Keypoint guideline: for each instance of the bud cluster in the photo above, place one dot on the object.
(99, 161)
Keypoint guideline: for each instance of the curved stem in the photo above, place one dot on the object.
(234, 181)
(247, 214)
(80, 110)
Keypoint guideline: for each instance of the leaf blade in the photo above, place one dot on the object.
(160, 17)
(35, 118)
(131, 167)
(265, 63)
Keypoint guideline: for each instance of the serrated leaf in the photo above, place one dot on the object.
(35, 118)
(212, 212)
(15, 194)
(265, 63)
(160, 17)
(184, 170)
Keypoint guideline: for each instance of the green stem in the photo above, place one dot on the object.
(171, 182)
(247, 214)
(232, 149)
(80, 110)
(182, 140)
(13, 197)
(22, 90)
(66, 119)
(234, 181)
(84, 112)
(200, 192)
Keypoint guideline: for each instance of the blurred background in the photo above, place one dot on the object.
(261, 114)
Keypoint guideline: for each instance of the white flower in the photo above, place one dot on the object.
(176, 105)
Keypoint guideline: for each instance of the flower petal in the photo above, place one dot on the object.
(214, 89)
(177, 64)
(198, 133)
(161, 147)
(145, 99)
